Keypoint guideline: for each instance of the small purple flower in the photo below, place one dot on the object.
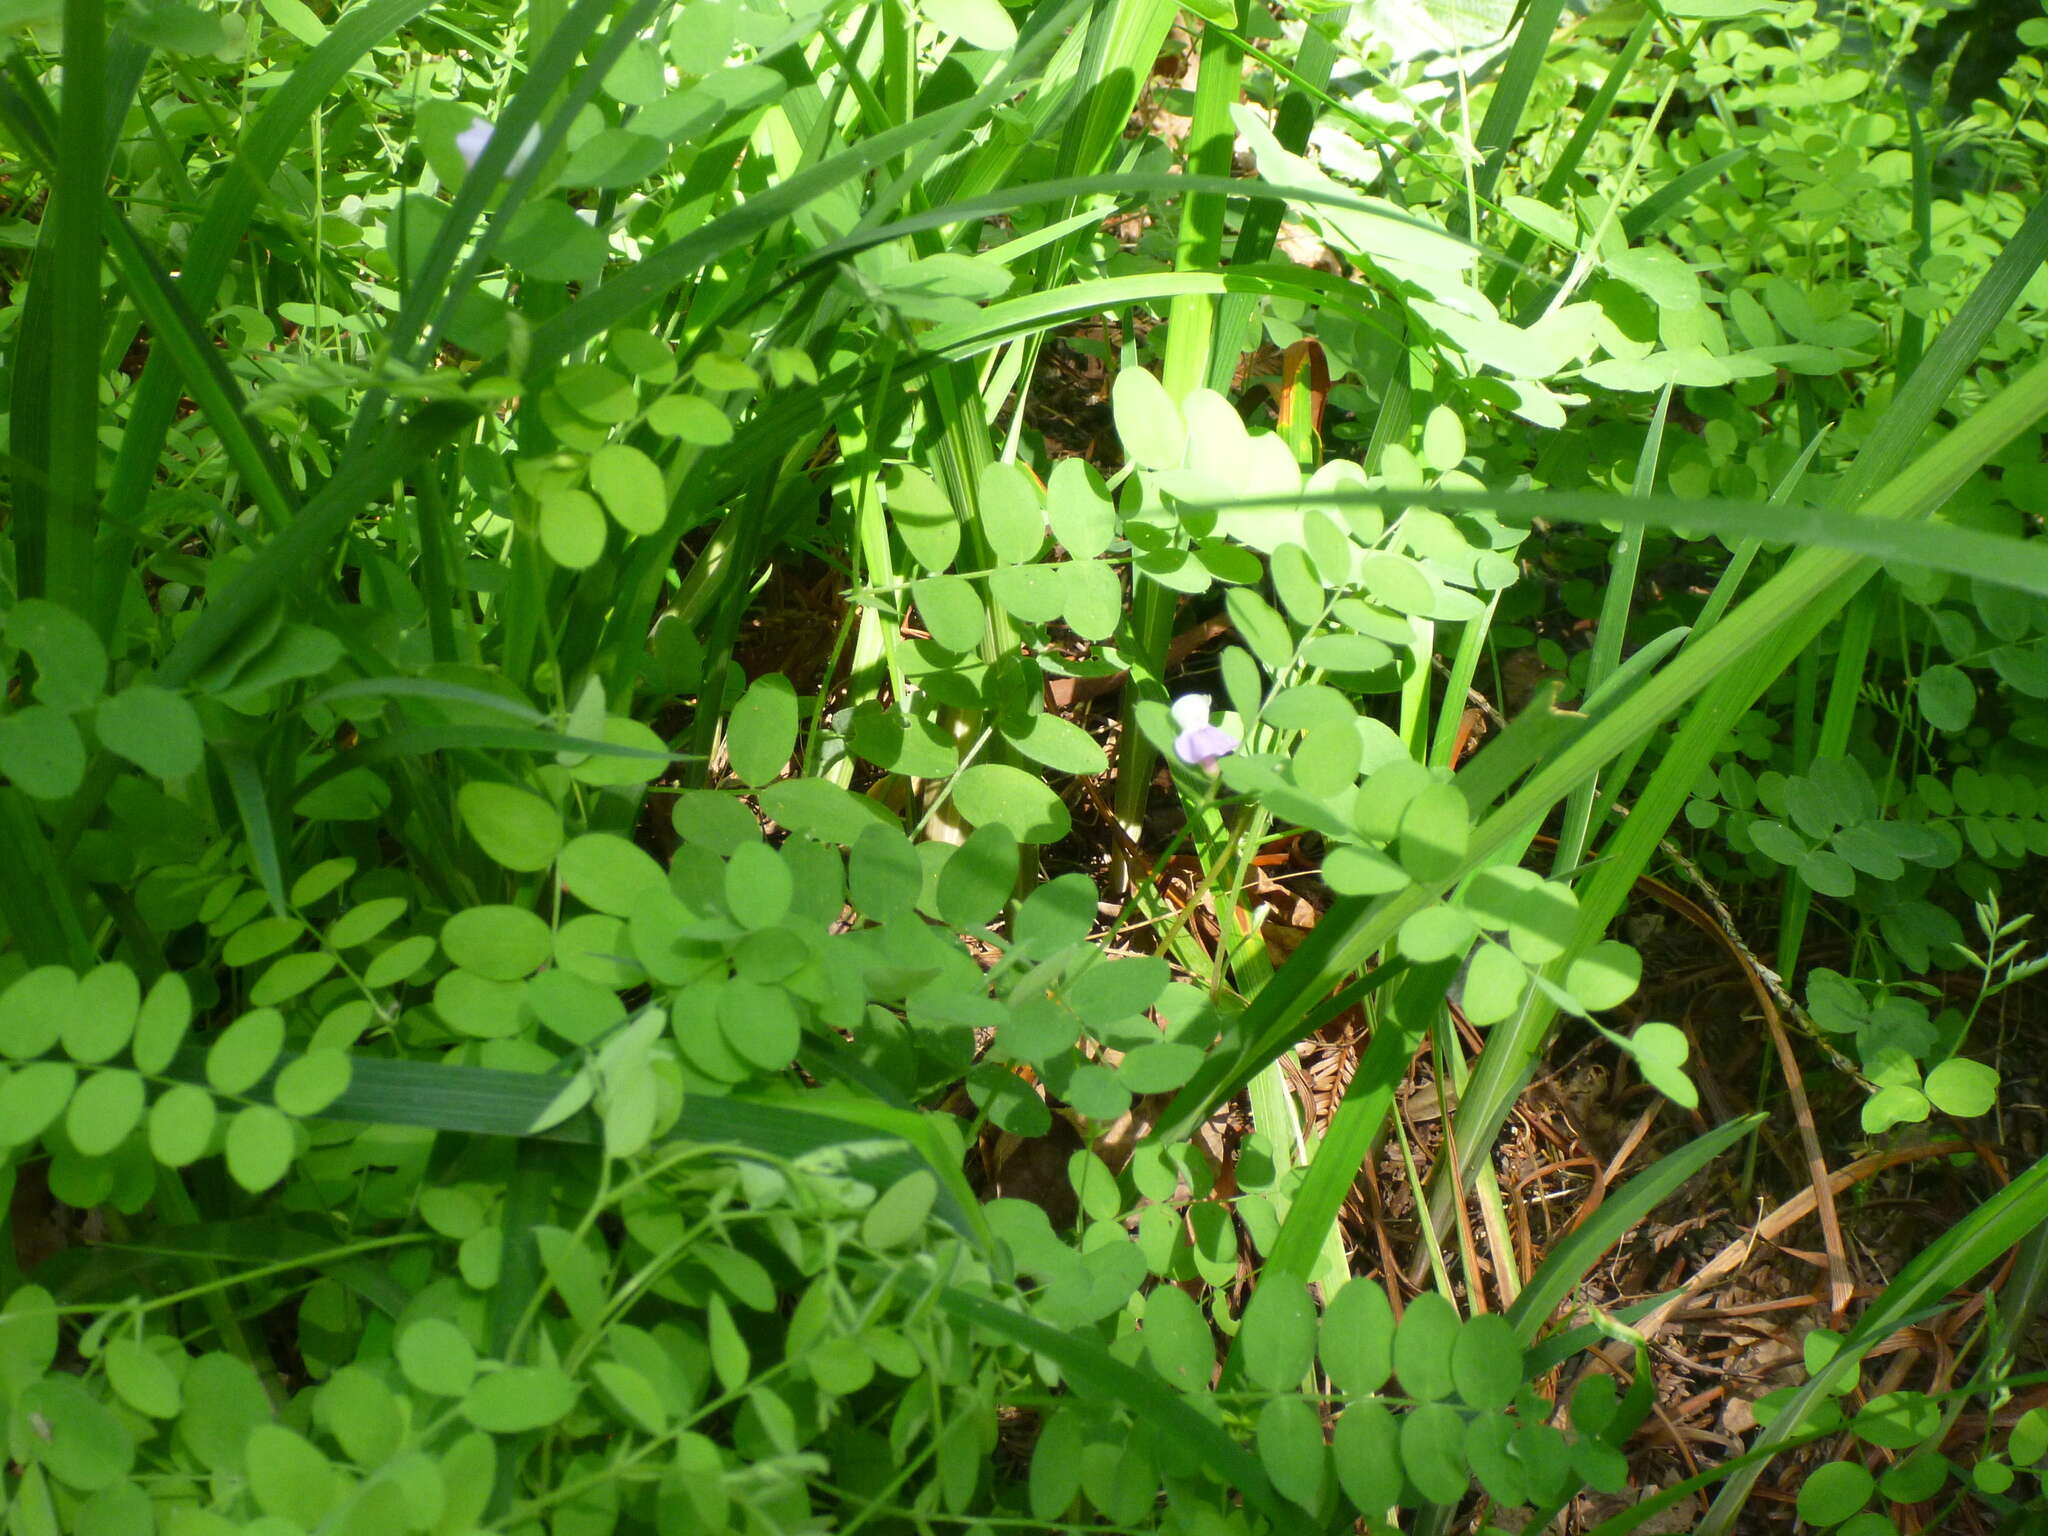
(1199, 744)
(475, 139)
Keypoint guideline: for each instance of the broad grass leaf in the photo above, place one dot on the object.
(515, 827)
(154, 728)
(259, 1147)
(518, 1398)
(106, 1107)
(1366, 1444)
(1424, 1343)
(1292, 1451)
(1357, 1342)
(436, 1357)
(761, 732)
(996, 793)
(1276, 1337)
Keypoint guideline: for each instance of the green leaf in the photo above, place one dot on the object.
(1357, 1345)
(35, 1008)
(607, 873)
(259, 1147)
(1263, 630)
(1962, 1087)
(76, 1439)
(1079, 509)
(761, 732)
(32, 1097)
(1433, 1450)
(42, 752)
(1424, 1345)
(821, 809)
(691, 418)
(519, 1398)
(1831, 1494)
(141, 1377)
(630, 485)
(106, 1107)
(289, 1478)
(364, 922)
(951, 610)
(1060, 745)
(978, 877)
(1436, 832)
(153, 728)
(1056, 1464)
(244, 1051)
(900, 1212)
(315, 1080)
(106, 1004)
(181, 1124)
(515, 828)
(1276, 1337)
(1660, 1051)
(1012, 513)
(1946, 697)
(1291, 1449)
(760, 886)
(71, 664)
(1486, 1362)
(996, 793)
(982, 23)
(572, 528)
(436, 1357)
(1367, 1446)
(502, 943)
(1147, 420)
(922, 517)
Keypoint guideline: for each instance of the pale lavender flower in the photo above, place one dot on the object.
(475, 139)
(1199, 744)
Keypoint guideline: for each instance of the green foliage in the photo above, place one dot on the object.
(520, 1010)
